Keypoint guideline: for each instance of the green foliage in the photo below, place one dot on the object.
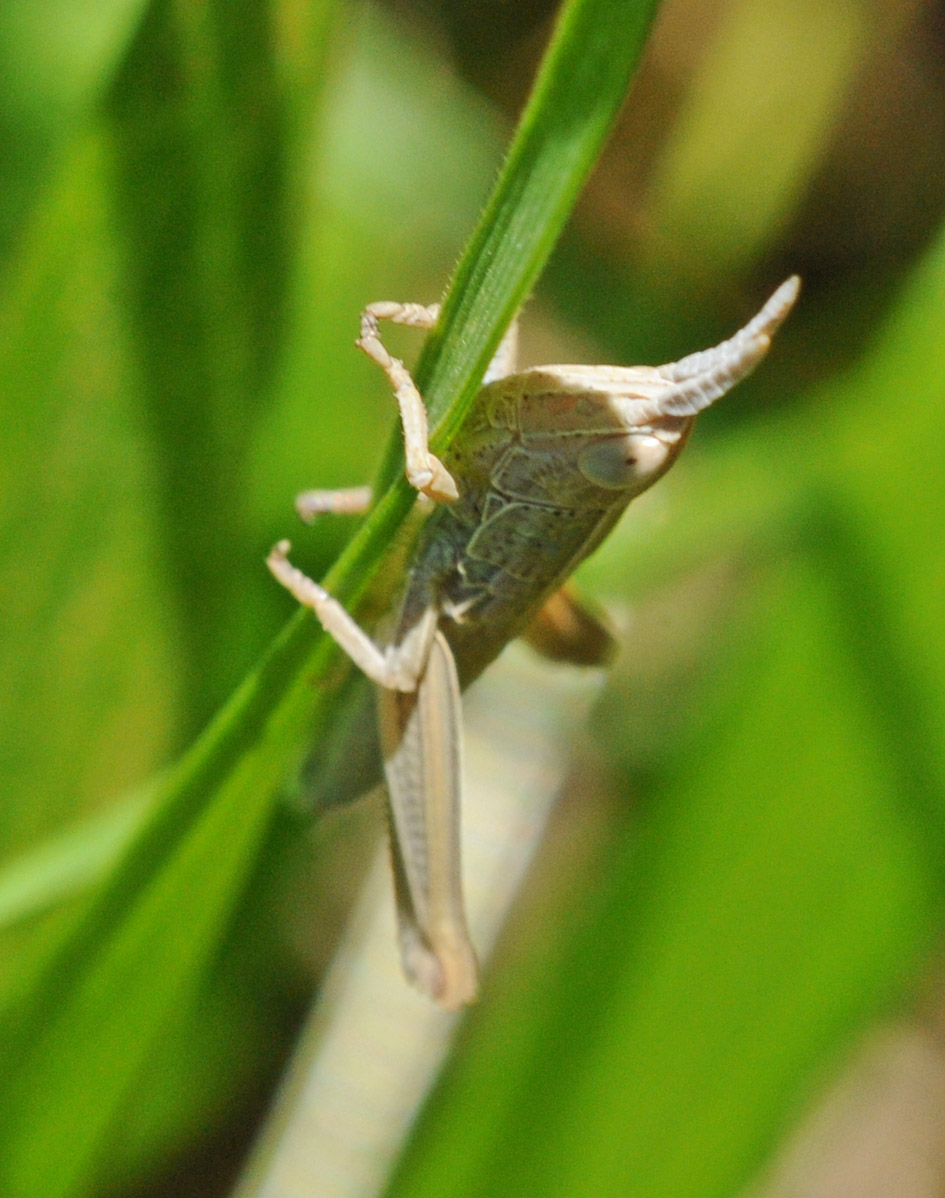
(182, 272)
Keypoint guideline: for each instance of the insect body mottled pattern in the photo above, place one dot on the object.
(526, 517)
(539, 472)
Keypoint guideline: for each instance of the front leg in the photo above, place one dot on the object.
(425, 471)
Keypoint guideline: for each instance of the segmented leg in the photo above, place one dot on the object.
(347, 501)
(398, 667)
(425, 471)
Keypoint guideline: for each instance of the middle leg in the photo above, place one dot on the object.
(345, 501)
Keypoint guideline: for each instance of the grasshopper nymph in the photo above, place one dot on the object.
(538, 474)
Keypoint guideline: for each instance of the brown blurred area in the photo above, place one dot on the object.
(877, 192)
(879, 1128)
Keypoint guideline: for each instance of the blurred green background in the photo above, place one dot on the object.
(196, 200)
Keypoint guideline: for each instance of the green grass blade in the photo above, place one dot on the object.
(68, 863)
(210, 240)
(57, 58)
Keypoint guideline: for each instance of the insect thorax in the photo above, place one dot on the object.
(488, 562)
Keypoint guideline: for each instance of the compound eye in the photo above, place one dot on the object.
(635, 460)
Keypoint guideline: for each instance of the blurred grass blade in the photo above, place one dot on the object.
(87, 706)
(76, 1044)
(56, 62)
(65, 864)
(693, 206)
(210, 242)
(101, 1024)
